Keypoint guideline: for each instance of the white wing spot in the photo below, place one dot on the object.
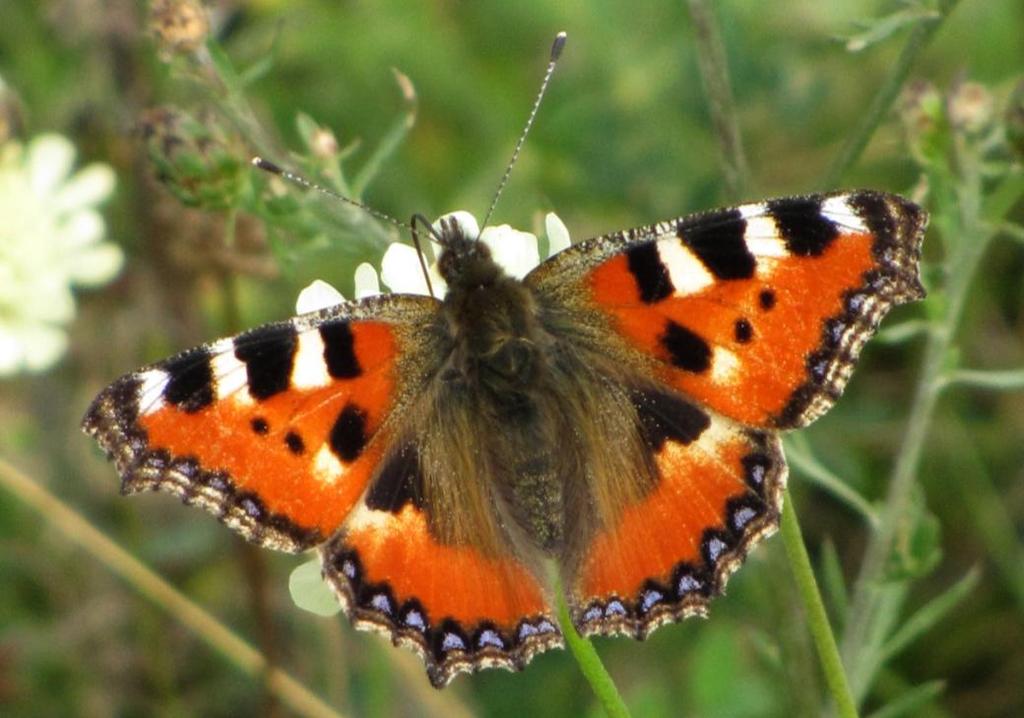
(687, 273)
(376, 526)
(151, 391)
(228, 372)
(310, 368)
(724, 365)
(762, 234)
(327, 467)
(749, 211)
(839, 211)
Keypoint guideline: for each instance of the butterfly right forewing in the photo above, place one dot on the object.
(759, 311)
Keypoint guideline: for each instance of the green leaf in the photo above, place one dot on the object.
(833, 582)
(881, 29)
(720, 682)
(903, 332)
(307, 128)
(265, 64)
(929, 615)
(911, 701)
(392, 140)
(325, 164)
(1006, 380)
(801, 458)
(916, 549)
(310, 592)
(222, 65)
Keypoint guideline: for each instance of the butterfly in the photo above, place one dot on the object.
(613, 419)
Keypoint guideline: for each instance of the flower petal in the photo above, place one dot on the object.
(318, 295)
(81, 229)
(96, 265)
(310, 592)
(400, 270)
(515, 251)
(558, 234)
(30, 347)
(366, 281)
(10, 352)
(49, 161)
(90, 186)
(467, 222)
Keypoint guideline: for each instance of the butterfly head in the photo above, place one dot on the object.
(465, 262)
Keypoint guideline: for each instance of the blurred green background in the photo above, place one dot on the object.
(624, 138)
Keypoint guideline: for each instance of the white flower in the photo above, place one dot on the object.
(51, 238)
(318, 295)
(517, 252)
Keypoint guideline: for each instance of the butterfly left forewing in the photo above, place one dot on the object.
(276, 431)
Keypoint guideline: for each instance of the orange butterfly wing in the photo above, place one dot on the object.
(287, 433)
(760, 311)
(744, 320)
(274, 431)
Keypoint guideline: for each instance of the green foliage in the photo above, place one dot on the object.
(909, 490)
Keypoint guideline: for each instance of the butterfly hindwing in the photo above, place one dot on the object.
(717, 491)
(274, 431)
(759, 311)
(459, 608)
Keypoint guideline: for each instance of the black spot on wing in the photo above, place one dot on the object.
(399, 482)
(874, 212)
(686, 349)
(294, 443)
(189, 381)
(766, 299)
(260, 426)
(665, 416)
(718, 241)
(743, 330)
(339, 350)
(348, 435)
(806, 231)
(268, 354)
(651, 275)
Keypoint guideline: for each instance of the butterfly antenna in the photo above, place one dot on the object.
(420, 219)
(268, 166)
(556, 52)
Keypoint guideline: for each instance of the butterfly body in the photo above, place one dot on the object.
(614, 414)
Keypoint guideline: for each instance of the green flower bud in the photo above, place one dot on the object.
(194, 159)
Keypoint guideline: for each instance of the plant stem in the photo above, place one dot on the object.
(890, 88)
(714, 72)
(293, 694)
(814, 607)
(589, 662)
(874, 605)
